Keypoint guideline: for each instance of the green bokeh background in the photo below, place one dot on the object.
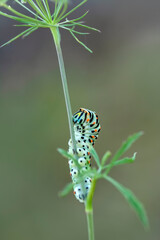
(121, 82)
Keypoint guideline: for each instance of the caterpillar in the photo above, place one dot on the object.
(86, 128)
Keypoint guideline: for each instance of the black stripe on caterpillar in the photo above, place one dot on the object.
(86, 128)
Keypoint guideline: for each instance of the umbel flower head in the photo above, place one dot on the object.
(44, 14)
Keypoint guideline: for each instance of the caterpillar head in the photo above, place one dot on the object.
(77, 117)
(80, 116)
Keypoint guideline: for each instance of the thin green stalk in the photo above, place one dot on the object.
(90, 225)
(56, 37)
(89, 211)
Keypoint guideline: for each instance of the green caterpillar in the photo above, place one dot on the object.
(86, 128)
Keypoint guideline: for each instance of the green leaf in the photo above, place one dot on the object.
(72, 10)
(24, 33)
(79, 18)
(121, 162)
(2, 2)
(105, 158)
(23, 5)
(66, 190)
(125, 160)
(45, 2)
(65, 154)
(58, 9)
(23, 16)
(32, 29)
(85, 26)
(22, 19)
(92, 173)
(77, 32)
(37, 9)
(132, 200)
(67, 21)
(95, 156)
(69, 156)
(126, 145)
(64, 9)
(87, 48)
(41, 7)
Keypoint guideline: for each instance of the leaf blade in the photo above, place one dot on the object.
(95, 156)
(32, 29)
(105, 158)
(68, 156)
(125, 160)
(121, 162)
(73, 9)
(66, 190)
(87, 48)
(135, 204)
(29, 10)
(16, 37)
(126, 145)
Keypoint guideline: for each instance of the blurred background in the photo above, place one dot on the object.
(120, 81)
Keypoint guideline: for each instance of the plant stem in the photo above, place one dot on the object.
(88, 204)
(56, 37)
(89, 211)
(90, 225)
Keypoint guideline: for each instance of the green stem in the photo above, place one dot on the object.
(89, 211)
(56, 37)
(90, 225)
(88, 204)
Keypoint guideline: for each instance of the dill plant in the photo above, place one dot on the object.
(55, 16)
